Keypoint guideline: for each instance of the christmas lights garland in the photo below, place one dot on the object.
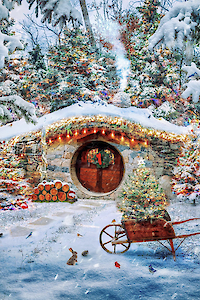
(119, 130)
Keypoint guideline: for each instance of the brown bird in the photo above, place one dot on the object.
(85, 253)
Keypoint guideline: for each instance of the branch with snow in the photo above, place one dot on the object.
(193, 86)
(12, 44)
(191, 70)
(57, 11)
(18, 106)
(8, 44)
(177, 25)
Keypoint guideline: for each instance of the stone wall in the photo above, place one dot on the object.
(159, 156)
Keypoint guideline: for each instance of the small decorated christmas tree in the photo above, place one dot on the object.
(186, 180)
(142, 197)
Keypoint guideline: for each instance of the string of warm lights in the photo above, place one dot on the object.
(114, 129)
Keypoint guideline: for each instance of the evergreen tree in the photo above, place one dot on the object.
(12, 105)
(74, 73)
(149, 12)
(153, 75)
(142, 197)
(14, 188)
(186, 180)
(37, 58)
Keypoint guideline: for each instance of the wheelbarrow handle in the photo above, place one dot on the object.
(180, 222)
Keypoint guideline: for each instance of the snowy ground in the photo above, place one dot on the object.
(35, 268)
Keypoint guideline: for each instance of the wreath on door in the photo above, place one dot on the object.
(102, 159)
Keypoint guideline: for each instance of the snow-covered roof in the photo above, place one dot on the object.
(140, 116)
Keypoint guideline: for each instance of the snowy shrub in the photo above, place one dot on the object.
(165, 110)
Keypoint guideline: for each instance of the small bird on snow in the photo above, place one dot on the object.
(151, 269)
(117, 265)
(30, 234)
(85, 253)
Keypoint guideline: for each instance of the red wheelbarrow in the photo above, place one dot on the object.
(117, 238)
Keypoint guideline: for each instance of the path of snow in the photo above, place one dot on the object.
(134, 114)
(35, 267)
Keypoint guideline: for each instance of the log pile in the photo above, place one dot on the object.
(55, 191)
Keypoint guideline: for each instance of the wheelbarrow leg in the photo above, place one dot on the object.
(172, 247)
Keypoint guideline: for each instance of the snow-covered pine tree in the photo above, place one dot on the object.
(154, 75)
(142, 197)
(178, 31)
(149, 12)
(14, 188)
(36, 58)
(74, 73)
(186, 179)
(11, 104)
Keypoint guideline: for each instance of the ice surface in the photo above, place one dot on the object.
(42, 221)
(20, 231)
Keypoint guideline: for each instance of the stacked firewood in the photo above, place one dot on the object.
(54, 191)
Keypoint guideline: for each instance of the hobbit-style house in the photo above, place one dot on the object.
(95, 148)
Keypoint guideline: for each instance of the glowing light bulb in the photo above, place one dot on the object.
(76, 133)
(122, 138)
(103, 131)
(59, 138)
(68, 136)
(84, 131)
(50, 141)
(95, 130)
(112, 135)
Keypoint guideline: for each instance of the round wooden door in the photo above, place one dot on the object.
(99, 167)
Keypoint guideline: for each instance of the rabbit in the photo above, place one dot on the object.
(73, 259)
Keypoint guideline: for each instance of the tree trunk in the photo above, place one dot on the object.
(87, 22)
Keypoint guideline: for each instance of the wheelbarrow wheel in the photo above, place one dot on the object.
(114, 233)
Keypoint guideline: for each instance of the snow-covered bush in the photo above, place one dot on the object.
(165, 110)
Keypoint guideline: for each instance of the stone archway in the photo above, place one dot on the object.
(97, 167)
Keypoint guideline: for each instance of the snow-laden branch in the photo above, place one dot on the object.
(193, 86)
(13, 43)
(4, 14)
(191, 70)
(177, 25)
(57, 11)
(18, 106)
(8, 44)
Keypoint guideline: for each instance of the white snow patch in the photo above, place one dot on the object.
(136, 115)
